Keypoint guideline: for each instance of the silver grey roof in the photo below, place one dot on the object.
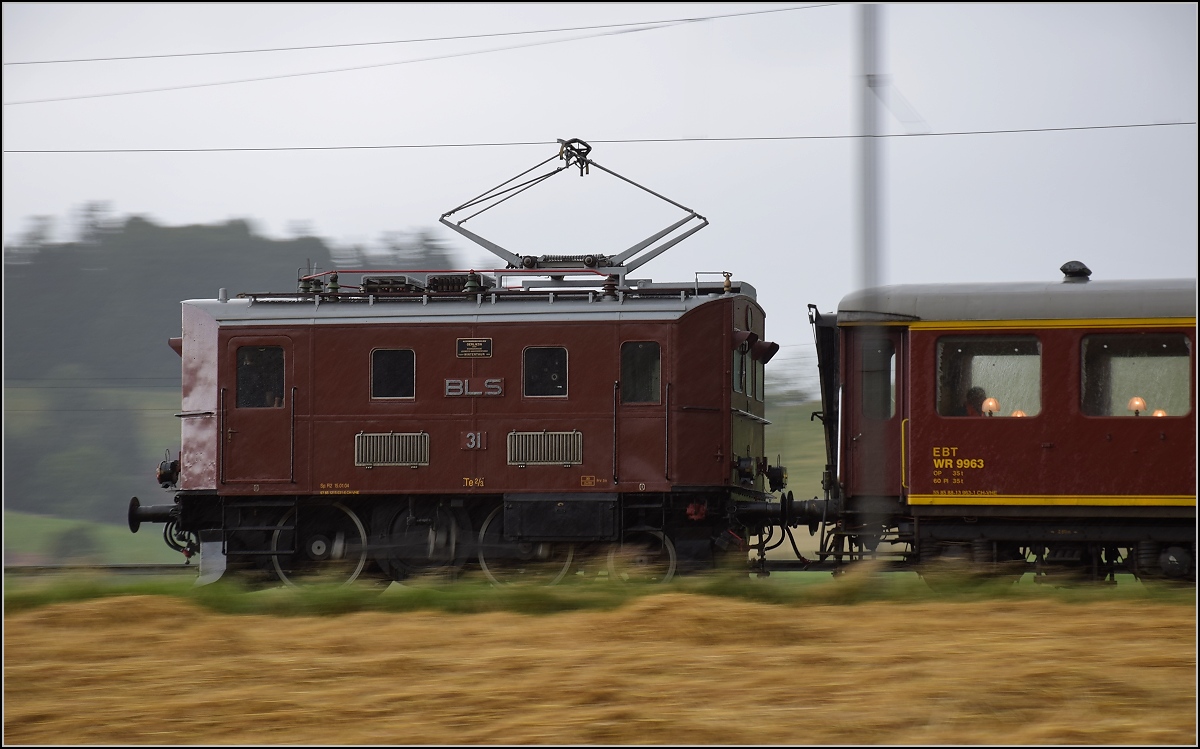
(1023, 301)
(522, 307)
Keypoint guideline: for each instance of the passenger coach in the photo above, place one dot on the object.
(1053, 422)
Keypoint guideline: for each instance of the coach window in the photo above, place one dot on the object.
(639, 372)
(878, 378)
(393, 373)
(546, 372)
(260, 377)
(1136, 374)
(989, 376)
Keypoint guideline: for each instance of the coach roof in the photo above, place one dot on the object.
(1059, 300)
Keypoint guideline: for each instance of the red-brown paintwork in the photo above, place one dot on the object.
(1056, 454)
(306, 446)
(1059, 451)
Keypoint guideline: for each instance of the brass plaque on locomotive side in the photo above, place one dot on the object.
(474, 348)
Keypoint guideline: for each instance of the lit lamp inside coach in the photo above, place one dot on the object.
(1137, 404)
(1017, 413)
(991, 406)
(1159, 412)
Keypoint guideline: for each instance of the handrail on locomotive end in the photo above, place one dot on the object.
(573, 153)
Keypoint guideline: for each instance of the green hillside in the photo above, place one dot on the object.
(798, 442)
(39, 539)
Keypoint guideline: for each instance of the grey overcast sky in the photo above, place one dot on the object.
(784, 213)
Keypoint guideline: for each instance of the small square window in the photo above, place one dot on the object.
(546, 372)
(393, 373)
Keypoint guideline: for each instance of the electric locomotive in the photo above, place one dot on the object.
(553, 417)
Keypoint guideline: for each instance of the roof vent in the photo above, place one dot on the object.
(1075, 272)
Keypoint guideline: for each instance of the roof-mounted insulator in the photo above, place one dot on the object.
(1075, 272)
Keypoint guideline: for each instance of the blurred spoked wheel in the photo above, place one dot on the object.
(504, 562)
(319, 545)
(646, 556)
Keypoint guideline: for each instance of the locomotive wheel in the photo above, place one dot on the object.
(430, 549)
(328, 545)
(642, 556)
(504, 562)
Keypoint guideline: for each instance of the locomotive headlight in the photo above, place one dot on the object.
(777, 477)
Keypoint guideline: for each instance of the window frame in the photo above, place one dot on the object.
(241, 377)
(566, 369)
(865, 376)
(658, 396)
(1118, 412)
(997, 339)
(371, 384)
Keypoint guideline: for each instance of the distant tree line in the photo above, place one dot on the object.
(86, 324)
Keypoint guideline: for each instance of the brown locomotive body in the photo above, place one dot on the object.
(445, 394)
(383, 434)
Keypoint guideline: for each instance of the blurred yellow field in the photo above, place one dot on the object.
(673, 668)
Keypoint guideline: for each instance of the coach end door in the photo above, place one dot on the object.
(875, 409)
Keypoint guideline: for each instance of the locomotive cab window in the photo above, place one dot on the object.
(393, 373)
(546, 372)
(640, 372)
(878, 378)
(1136, 374)
(988, 375)
(260, 377)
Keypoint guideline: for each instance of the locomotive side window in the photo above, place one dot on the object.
(878, 378)
(260, 377)
(639, 372)
(546, 372)
(989, 376)
(393, 373)
(1136, 374)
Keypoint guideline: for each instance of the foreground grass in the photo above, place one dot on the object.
(471, 596)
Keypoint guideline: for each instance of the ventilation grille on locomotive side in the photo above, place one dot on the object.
(391, 449)
(545, 448)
